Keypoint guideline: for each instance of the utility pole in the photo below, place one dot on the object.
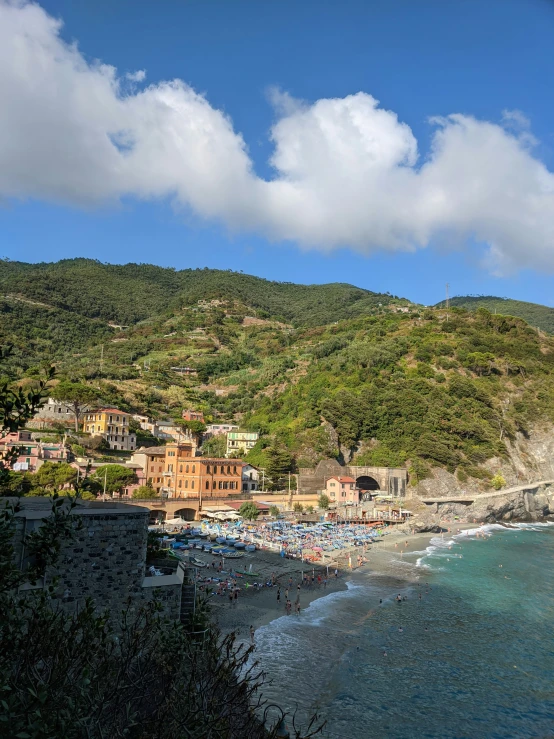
(105, 483)
(447, 300)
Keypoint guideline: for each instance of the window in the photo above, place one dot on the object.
(207, 484)
(208, 470)
(344, 495)
(235, 470)
(193, 469)
(186, 483)
(186, 469)
(181, 468)
(213, 486)
(332, 484)
(228, 470)
(192, 484)
(179, 483)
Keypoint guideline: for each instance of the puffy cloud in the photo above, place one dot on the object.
(346, 171)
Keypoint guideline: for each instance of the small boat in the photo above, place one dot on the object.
(220, 539)
(240, 545)
(197, 562)
(230, 542)
(234, 555)
(207, 547)
(250, 547)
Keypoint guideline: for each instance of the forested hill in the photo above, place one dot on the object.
(536, 315)
(127, 294)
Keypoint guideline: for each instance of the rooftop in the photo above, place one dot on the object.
(343, 479)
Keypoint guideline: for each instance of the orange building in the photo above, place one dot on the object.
(152, 462)
(195, 477)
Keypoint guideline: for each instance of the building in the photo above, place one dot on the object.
(152, 463)
(53, 412)
(113, 425)
(250, 478)
(369, 480)
(342, 490)
(217, 429)
(195, 477)
(32, 454)
(239, 441)
(166, 430)
(189, 415)
(106, 561)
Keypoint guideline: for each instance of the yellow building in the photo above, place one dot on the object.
(113, 425)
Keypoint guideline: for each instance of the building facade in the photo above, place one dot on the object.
(250, 478)
(52, 412)
(189, 476)
(32, 454)
(152, 462)
(238, 441)
(342, 490)
(113, 425)
(217, 429)
(189, 415)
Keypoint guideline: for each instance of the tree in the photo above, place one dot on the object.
(53, 476)
(298, 508)
(310, 509)
(323, 501)
(77, 396)
(249, 511)
(17, 406)
(280, 463)
(216, 446)
(144, 492)
(274, 511)
(115, 476)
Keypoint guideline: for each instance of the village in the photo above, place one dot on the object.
(175, 479)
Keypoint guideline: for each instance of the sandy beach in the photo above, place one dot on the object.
(258, 607)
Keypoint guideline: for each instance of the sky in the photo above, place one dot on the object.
(396, 146)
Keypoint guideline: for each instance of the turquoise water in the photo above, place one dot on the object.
(475, 657)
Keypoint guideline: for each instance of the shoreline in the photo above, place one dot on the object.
(257, 608)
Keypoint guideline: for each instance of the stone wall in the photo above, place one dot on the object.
(390, 480)
(106, 560)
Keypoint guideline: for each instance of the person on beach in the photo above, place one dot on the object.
(298, 589)
(287, 594)
(336, 572)
(230, 599)
(324, 583)
(252, 634)
(278, 595)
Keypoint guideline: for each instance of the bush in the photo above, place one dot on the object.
(323, 501)
(298, 508)
(498, 481)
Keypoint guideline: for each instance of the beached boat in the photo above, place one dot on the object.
(240, 545)
(250, 547)
(230, 542)
(220, 539)
(234, 555)
(197, 562)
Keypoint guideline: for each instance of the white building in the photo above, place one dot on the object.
(250, 478)
(217, 429)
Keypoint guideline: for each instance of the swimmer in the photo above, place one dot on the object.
(384, 654)
(400, 629)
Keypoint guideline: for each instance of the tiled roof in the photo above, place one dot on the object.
(343, 479)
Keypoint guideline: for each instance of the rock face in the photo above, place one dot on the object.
(531, 502)
(529, 458)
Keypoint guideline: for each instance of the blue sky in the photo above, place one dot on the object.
(418, 59)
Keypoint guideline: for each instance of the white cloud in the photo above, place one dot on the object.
(346, 171)
(138, 76)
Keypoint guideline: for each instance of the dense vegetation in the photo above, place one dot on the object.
(396, 385)
(537, 315)
(126, 294)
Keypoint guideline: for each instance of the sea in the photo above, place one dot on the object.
(473, 657)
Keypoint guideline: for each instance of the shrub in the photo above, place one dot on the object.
(498, 481)
(323, 501)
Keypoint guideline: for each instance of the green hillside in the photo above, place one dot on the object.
(318, 370)
(533, 313)
(126, 294)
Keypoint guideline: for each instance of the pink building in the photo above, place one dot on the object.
(342, 490)
(32, 454)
